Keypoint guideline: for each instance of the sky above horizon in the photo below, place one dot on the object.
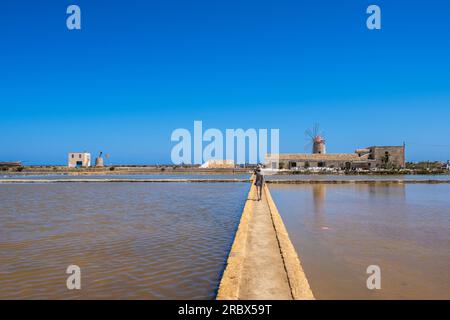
(137, 70)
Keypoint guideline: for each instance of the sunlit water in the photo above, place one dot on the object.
(339, 230)
(169, 176)
(343, 177)
(131, 241)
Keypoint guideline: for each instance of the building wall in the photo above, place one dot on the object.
(289, 164)
(396, 155)
(75, 157)
(338, 164)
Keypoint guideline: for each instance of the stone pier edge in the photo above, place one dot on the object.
(231, 279)
(298, 282)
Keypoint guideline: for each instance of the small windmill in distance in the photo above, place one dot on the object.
(316, 139)
(99, 160)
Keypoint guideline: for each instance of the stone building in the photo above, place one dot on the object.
(393, 155)
(7, 165)
(79, 159)
(367, 158)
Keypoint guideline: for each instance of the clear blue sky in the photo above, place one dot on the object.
(139, 69)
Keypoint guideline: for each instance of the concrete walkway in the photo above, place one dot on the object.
(263, 263)
(263, 274)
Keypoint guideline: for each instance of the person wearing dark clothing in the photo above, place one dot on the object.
(259, 183)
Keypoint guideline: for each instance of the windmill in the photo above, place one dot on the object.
(315, 139)
(99, 160)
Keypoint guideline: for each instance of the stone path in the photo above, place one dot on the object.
(264, 276)
(263, 264)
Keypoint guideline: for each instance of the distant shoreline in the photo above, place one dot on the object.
(278, 182)
(121, 170)
(186, 170)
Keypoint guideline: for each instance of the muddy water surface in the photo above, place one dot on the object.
(339, 230)
(131, 241)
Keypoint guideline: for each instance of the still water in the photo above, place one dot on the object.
(319, 177)
(339, 230)
(168, 176)
(131, 241)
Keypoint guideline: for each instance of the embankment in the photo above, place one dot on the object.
(263, 263)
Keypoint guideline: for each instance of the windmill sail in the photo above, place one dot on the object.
(316, 139)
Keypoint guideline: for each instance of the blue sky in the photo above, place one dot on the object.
(140, 69)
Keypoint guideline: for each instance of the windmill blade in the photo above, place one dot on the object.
(316, 130)
(308, 145)
(309, 133)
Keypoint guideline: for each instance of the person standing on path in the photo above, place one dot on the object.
(259, 182)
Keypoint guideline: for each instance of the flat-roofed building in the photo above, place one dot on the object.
(367, 158)
(13, 164)
(79, 160)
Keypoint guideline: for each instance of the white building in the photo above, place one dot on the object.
(218, 164)
(79, 159)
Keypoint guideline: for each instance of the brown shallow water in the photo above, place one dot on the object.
(339, 230)
(131, 241)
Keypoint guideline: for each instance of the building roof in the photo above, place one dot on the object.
(315, 156)
(384, 147)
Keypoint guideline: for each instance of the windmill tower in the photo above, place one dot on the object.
(316, 139)
(99, 160)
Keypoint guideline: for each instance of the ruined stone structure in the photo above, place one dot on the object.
(392, 155)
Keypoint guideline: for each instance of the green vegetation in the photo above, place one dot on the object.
(424, 165)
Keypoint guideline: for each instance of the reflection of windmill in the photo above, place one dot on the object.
(316, 140)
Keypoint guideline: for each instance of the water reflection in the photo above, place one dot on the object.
(319, 192)
(385, 190)
(339, 230)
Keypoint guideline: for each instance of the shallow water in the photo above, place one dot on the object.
(175, 176)
(339, 230)
(131, 241)
(356, 177)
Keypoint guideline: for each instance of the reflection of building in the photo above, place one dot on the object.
(319, 193)
(371, 157)
(391, 190)
(79, 159)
